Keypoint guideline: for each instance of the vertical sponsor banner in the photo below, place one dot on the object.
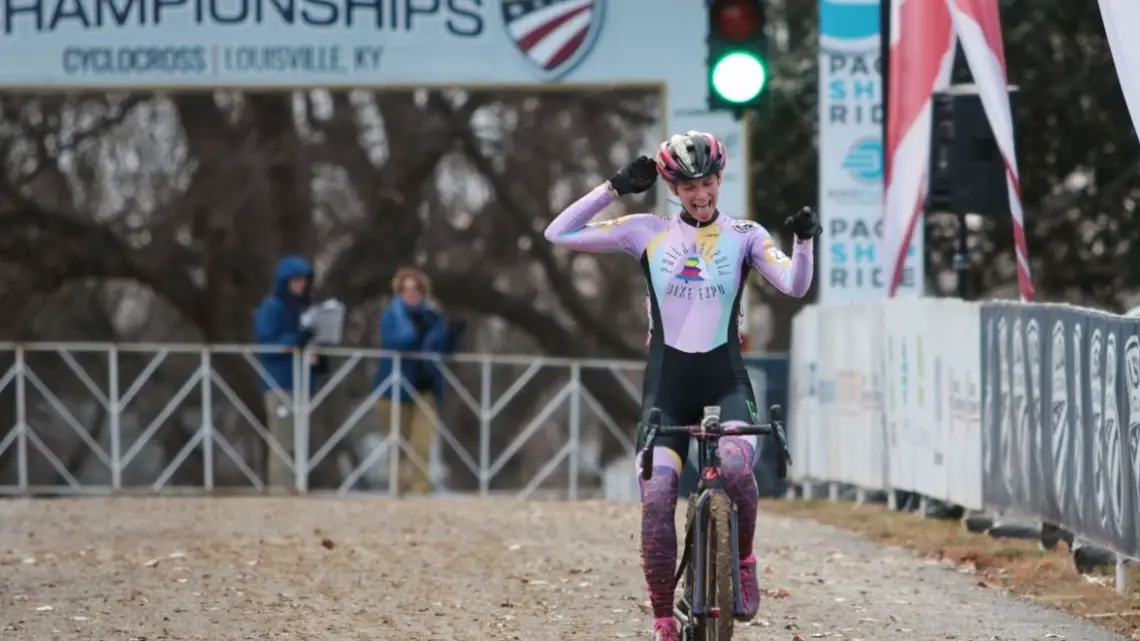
(803, 409)
(851, 158)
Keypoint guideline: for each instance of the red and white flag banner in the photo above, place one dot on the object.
(921, 59)
(922, 56)
(978, 27)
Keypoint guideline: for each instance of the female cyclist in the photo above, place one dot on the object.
(696, 265)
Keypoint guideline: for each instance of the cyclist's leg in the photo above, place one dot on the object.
(737, 458)
(658, 509)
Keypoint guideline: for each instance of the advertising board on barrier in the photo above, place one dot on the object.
(1062, 419)
(886, 395)
(1028, 409)
(851, 158)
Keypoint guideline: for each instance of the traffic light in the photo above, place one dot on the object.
(737, 64)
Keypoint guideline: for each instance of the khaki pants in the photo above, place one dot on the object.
(279, 420)
(417, 429)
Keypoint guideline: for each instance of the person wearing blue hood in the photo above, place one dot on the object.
(278, 322)
(411, 324)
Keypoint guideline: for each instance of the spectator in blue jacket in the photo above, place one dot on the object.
(278, 322)
(410, 324)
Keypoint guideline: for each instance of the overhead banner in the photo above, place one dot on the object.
(349, 43)
(851, 158)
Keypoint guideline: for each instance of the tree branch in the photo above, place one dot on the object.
(560, 282)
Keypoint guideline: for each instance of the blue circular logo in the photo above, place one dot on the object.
(864, 160)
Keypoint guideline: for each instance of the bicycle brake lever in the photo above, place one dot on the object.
(782, 437)
(647, 460)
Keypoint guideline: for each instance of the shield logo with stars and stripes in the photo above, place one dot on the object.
(553, 35)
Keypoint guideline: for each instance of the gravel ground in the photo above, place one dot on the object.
(443, 570)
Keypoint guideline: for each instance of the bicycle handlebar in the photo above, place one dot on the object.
(710, 428)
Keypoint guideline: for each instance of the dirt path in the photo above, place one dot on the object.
(445, 570)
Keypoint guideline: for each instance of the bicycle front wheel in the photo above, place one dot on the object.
(718, 567)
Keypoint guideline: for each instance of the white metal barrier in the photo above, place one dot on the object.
(1028, 409)
(98, 418)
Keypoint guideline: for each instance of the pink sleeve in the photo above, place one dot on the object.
(572, 228)
(791, 276)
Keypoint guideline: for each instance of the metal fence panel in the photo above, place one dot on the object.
(78, 418)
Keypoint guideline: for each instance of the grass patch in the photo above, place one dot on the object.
(1021, 567)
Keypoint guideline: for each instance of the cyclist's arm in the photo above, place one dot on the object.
(572, 228)
(791, 276)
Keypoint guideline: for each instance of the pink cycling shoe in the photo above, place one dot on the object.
(749, 588)
(666, 629)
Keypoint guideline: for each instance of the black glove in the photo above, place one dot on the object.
(636, 177)
(804, 224)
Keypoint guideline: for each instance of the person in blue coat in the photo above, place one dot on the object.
(278, 323)
(411, 324)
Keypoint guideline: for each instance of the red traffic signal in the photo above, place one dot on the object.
(735, 20)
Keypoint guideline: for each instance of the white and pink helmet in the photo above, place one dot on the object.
(689, 156)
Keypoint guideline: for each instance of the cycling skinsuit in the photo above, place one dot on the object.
(696, 273)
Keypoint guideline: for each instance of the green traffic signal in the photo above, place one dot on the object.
(739, 77)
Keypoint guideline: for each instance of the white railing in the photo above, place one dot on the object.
(98, 418)
(1032, 410)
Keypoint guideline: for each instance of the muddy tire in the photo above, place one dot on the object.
(719, 558)
(685, 601)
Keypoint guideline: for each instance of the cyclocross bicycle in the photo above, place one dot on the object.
(710, 561)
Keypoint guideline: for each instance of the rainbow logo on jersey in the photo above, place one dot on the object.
(691, 271)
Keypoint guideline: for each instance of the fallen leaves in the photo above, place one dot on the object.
(1018, 566)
